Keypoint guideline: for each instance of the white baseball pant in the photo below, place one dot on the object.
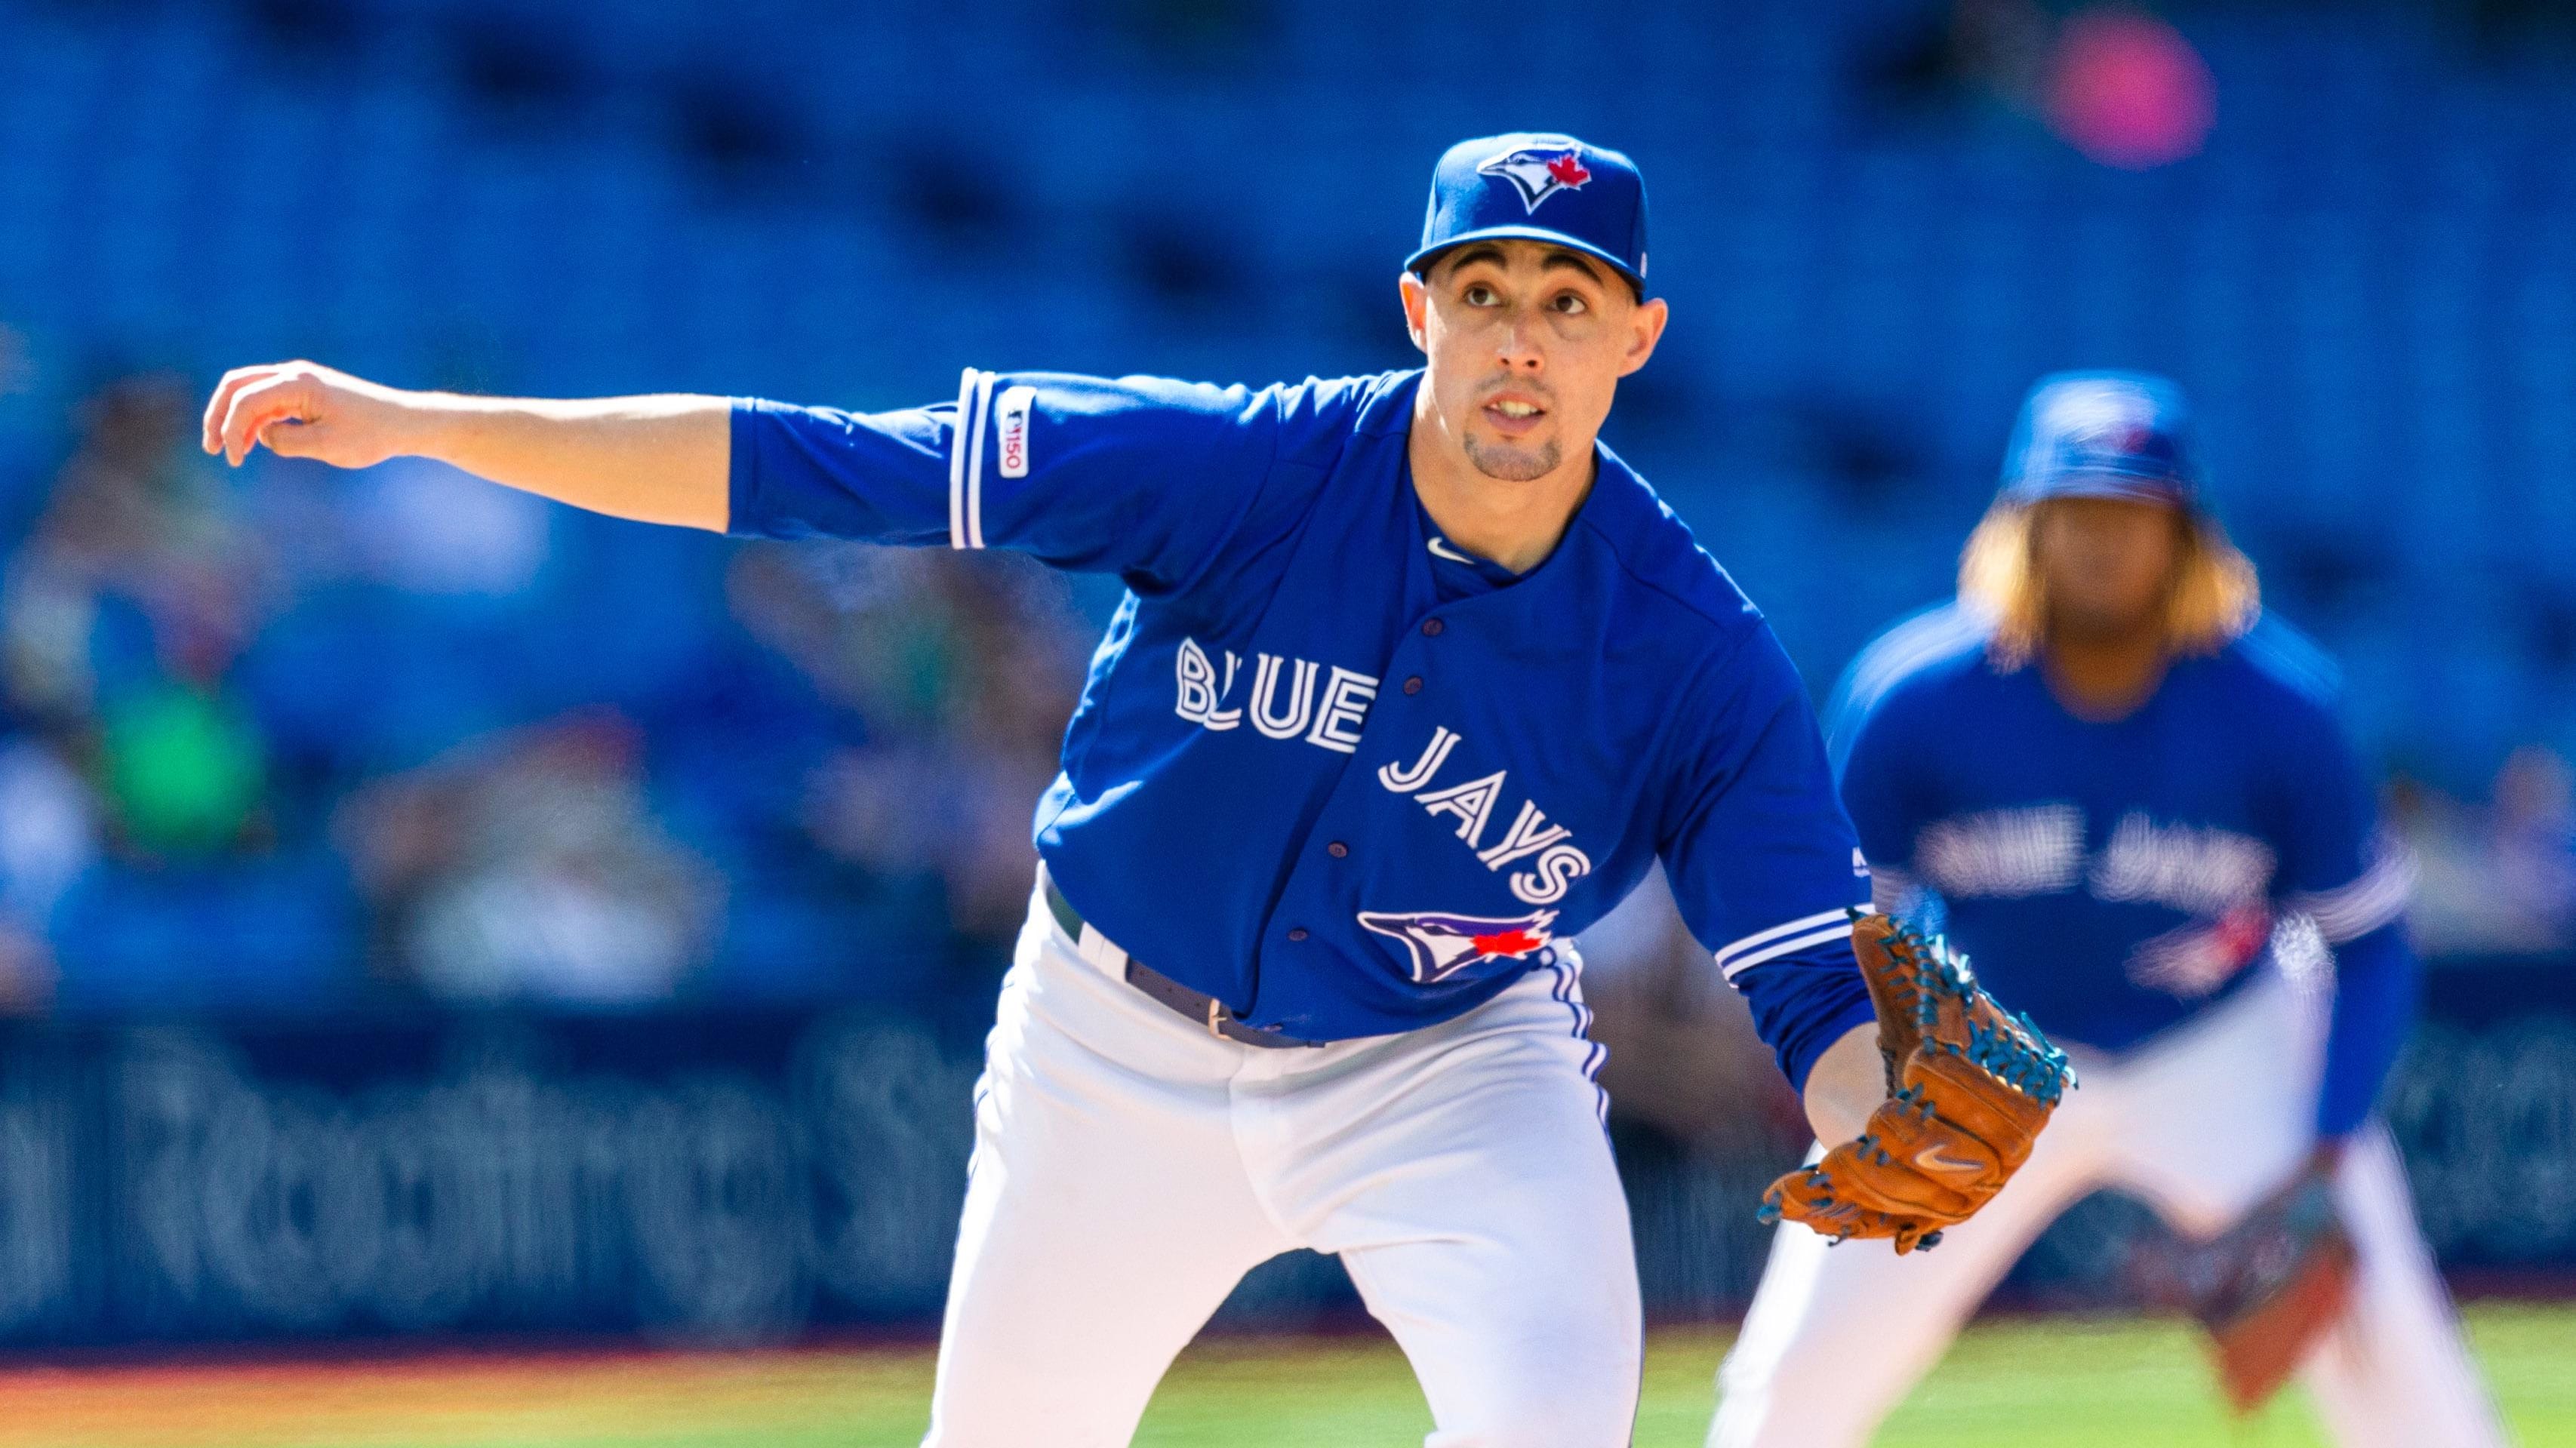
(2201, 1125)
(1130, 1167)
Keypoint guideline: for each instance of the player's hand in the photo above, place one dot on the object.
(306, 410)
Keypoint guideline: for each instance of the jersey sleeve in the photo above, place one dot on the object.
(1140, 476)
(2336, 866)
(1763, 863)
(2340, 870)
(2377, 983)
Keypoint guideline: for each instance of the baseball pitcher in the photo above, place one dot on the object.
(1413, 680)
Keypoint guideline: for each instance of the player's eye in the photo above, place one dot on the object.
(1569, 304)
(1478, 295)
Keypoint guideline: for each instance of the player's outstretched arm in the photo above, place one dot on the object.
(658, 459)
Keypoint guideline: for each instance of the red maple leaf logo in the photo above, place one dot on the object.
(1515, 941)
(1568, 170)
(2241, 934)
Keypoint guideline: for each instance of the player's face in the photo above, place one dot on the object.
(1527, 343)
(2106, 565)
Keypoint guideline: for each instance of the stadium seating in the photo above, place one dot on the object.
(2368, 278)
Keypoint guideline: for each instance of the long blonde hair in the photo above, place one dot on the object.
(2212, 600)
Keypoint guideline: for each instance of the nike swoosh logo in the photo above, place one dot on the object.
(1441, 549)
(1931, 1159)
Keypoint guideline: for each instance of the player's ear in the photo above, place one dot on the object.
(1645, 328)
(1417, 308)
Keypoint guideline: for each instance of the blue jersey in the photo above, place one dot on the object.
(1329, 768)
(2115, 878)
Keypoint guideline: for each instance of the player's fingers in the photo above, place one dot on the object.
(257, 404)
(289, 438)
(211, 431)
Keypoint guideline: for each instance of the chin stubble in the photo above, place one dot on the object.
(1511, 464)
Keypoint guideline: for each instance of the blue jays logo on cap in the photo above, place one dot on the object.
(1443, 945)
(1540, 171)
(1538, 186)
(2102, 435)
(2119, 443)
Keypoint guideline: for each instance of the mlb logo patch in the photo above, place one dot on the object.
(1539, 172)
(1011, 429)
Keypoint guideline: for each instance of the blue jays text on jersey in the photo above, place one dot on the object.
(1328, 769)
(2113, 878)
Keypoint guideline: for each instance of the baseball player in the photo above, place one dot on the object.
(1413, 680)
(2133, 806)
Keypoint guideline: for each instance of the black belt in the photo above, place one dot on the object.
(1202, 1010)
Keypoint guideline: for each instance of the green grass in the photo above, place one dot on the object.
(2016, 1384)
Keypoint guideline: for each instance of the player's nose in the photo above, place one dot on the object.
(1522, 350)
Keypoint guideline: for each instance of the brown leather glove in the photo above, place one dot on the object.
(2269, 1287)
(1970, 1087)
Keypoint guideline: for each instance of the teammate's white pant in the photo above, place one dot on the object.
(1129, 1167)
(2201, 1126)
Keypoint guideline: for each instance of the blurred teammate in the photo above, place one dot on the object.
(1413, 681)
(2130, 802)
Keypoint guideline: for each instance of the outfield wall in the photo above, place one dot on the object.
(735, 1176)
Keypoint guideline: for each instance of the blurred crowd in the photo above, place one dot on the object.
(285, 739)
(2498, 876)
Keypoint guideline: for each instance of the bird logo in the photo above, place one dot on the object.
(1443, 945)
(1539, 172)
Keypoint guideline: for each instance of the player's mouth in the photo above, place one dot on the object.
(1513, 415)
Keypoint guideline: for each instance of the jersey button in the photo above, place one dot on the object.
(1299, 933)
(1433, 626)
(1413, 685)
(1338, 850)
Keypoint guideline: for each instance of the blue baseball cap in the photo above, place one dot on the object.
(2103, 435)
(1538, 187)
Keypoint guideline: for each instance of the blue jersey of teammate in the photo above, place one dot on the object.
(1328, 768)
(2114, 879)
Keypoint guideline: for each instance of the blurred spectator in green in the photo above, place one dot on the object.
(122, 617)
(140, 861)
